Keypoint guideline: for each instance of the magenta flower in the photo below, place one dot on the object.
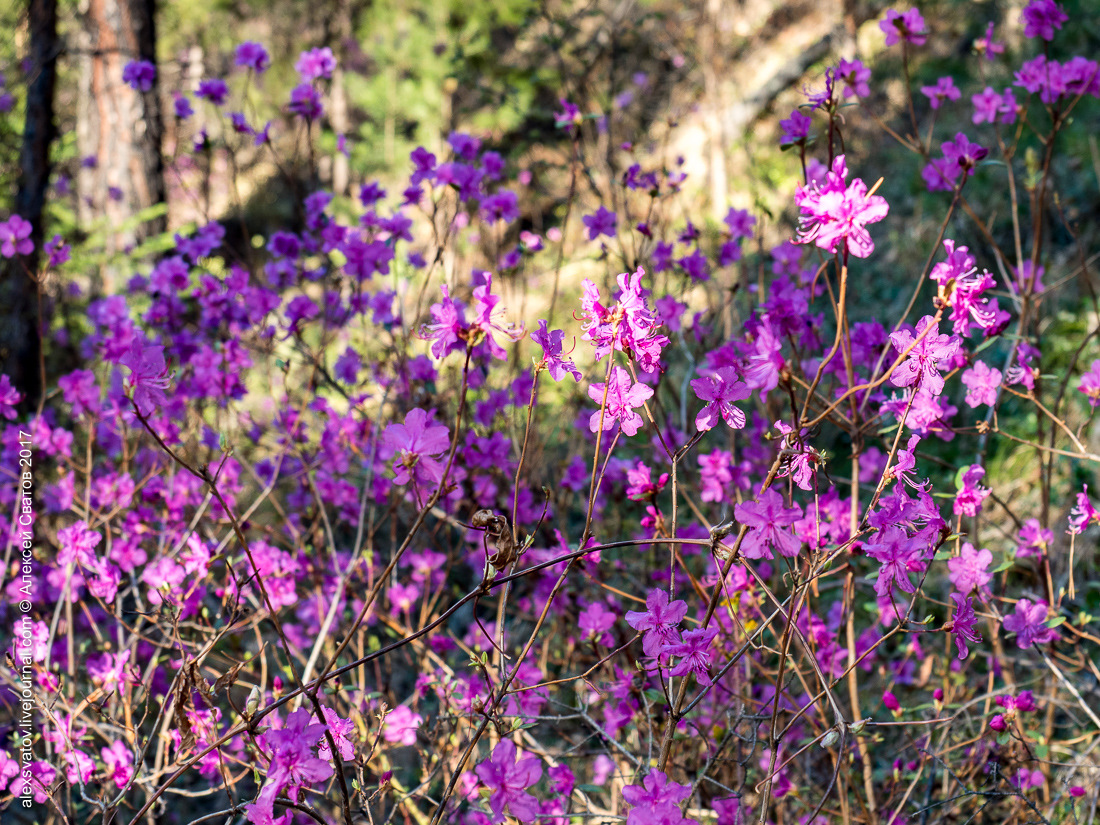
(898, 556)
(854, 75)
(1028, 622)
(963, 154)
(640, 485)
(693, 653)
(551, 343)
(9, 398)
(15, 237)
(1042, 18)
(720, 390)
(971, 495)
(401, 725)
(767, 519)
(484, 307)
(148, 376)
(659, 623)
(970, 570)
(509, 780)
(922, 365)
(945, 89)
(838, 212)
(1090, 384)
(305, 101)
(962, 625)
(1083, 513)
(417, 443)
(448, 332)
(316, 63)
(1033, 539)
(139, 75)
(656, 801)
(341, 730)
(981, 383)
(623, 396)
(909, 27)
(796, 128)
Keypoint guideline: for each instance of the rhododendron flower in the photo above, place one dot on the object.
(656, 801)
(253, 56)
(921, 366)
(767, 519)
(854, 75)
(962, 624)
(15, 237)
(836, 212)
(139, 74)
(213, 89)
(484, 307)
(659, 623)
(148, 376)
(899, 555)
(600, 222)
(796, 128)
(1090, 384)
(623, 396)
(908, 26)
(971, 495)
(693, 652)
(970, 570)
(9, 398)
(981, 383)
(315, 63)
(417, 444)
(945, 89)
(401, 725)
(640, 485)
(1028, 622)
(1042, 18)
(119, 761)
(448, 332)
(340, 729)
(508, 780)
(1083, 513)
(551, 343)
(305, 101)
(720, 390)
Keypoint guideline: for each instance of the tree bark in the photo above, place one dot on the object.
(20, 328)
(119, 130)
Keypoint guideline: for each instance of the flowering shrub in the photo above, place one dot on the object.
(316, 535)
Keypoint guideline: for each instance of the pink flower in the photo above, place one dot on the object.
(660, 621)
(340, 729)
(720, 389)
(623, 396)
(962, 625)
(922, 364)
(1028, 622)
(945, 89)
(316, 63)
(417, 443)
(1042, 18)
(10, 398)
(908, 27)
(766, 519)
(448, 332)
(551, 343)
(835, 212)
(401, 725)
(629, 326)
(148, 376)
(509, 780)
(981, 383)
(971, 495)
(970, 570)
(692, 650)
(1090, 384)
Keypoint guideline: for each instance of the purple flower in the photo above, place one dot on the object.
(921, 367)
(970, 570)
(305, 101)
(944, 89)
(253, 56)
(692, 650)
(981, 383)
(963, 154)
(623, 396)
(449, 328)
(500, 206)
(767, 519)
(836, 212)
(214, 90)
(908, 27)
(1042, 18)
(971, 495)
(962, 625)
(9, 398)
(1083, 513)
(854, 75)
(315, 63)
(551, 343)
(601, 222)
(568, 117)
(720, 390)
(796, 128)
(15, 234)
(899, 555)
(659, 623)
(1032, 539)
(509, 780)
(1090, 384)
(148, 376)
(1028, 622)
(417, 444)
(139, 74)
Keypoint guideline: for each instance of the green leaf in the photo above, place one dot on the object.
(1057, 620)
(1004, 565)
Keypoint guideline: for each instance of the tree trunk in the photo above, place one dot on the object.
(119, 130)
(20, 332)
